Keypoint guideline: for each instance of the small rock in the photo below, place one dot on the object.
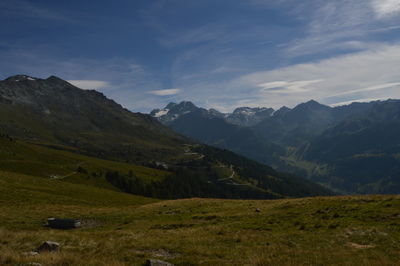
(152, 262)
(358, 246)
(31, 253)
(48, 246)
(258, 210)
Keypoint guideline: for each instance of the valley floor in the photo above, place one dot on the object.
(121, 229)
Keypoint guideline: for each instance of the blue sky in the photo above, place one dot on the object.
(216, 53)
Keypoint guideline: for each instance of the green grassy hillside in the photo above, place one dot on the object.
(201, 172)
(63, 163)
(122, 229)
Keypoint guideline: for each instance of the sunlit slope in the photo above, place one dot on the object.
(206, 172)
(62, 163)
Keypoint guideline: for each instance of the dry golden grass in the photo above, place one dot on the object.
(121, 229)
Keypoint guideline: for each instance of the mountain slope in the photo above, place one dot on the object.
(352, 148)
(363, 150)
(56, 111)
(242, 116)
(213, 128)
(295, 126)
(53, 113)
(246, 116)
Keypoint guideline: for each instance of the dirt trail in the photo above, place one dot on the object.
(231, 176)
(67, 175)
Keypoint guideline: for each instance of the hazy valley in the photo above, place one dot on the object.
(352, 148)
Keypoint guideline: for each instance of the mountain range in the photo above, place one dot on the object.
(352, 149)
(39, 116)
(242, 116)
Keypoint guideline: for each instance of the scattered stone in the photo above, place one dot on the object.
(48, 246)
(258, 210)
(89, 223)
(158, 253)
(30, 253)
(358, 246)
(152, 262)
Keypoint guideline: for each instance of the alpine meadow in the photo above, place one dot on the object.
(171, 132)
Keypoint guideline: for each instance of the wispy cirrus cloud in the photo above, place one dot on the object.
(202, 34)
(362, 100)
(217, 63)
(340, 26)
(288, 86)
(371, 74)
(367, 89)
(386, 8)
(331, 81)
(25, 9)
(166, 92)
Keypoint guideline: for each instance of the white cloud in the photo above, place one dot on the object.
(213, 55)
(372, 88)
(386, 8)
(121, 79)
(288, 86)
(342, 25)
(369, 74)
(167, 92)
(89, 84)
(363, 100)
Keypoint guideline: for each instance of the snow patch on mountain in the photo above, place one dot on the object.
(161, 113)
(18, 78)
(242, 116)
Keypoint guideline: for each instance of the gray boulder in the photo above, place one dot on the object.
(152, 262)
(48, 246)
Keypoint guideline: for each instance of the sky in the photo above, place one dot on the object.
(216, 53)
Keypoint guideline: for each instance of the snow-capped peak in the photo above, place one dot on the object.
(161, 113)
(243, 116)
(246, 111)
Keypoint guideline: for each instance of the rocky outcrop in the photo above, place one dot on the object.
(48, 246)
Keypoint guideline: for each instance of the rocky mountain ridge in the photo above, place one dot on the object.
(241, 116)
(333, 145)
